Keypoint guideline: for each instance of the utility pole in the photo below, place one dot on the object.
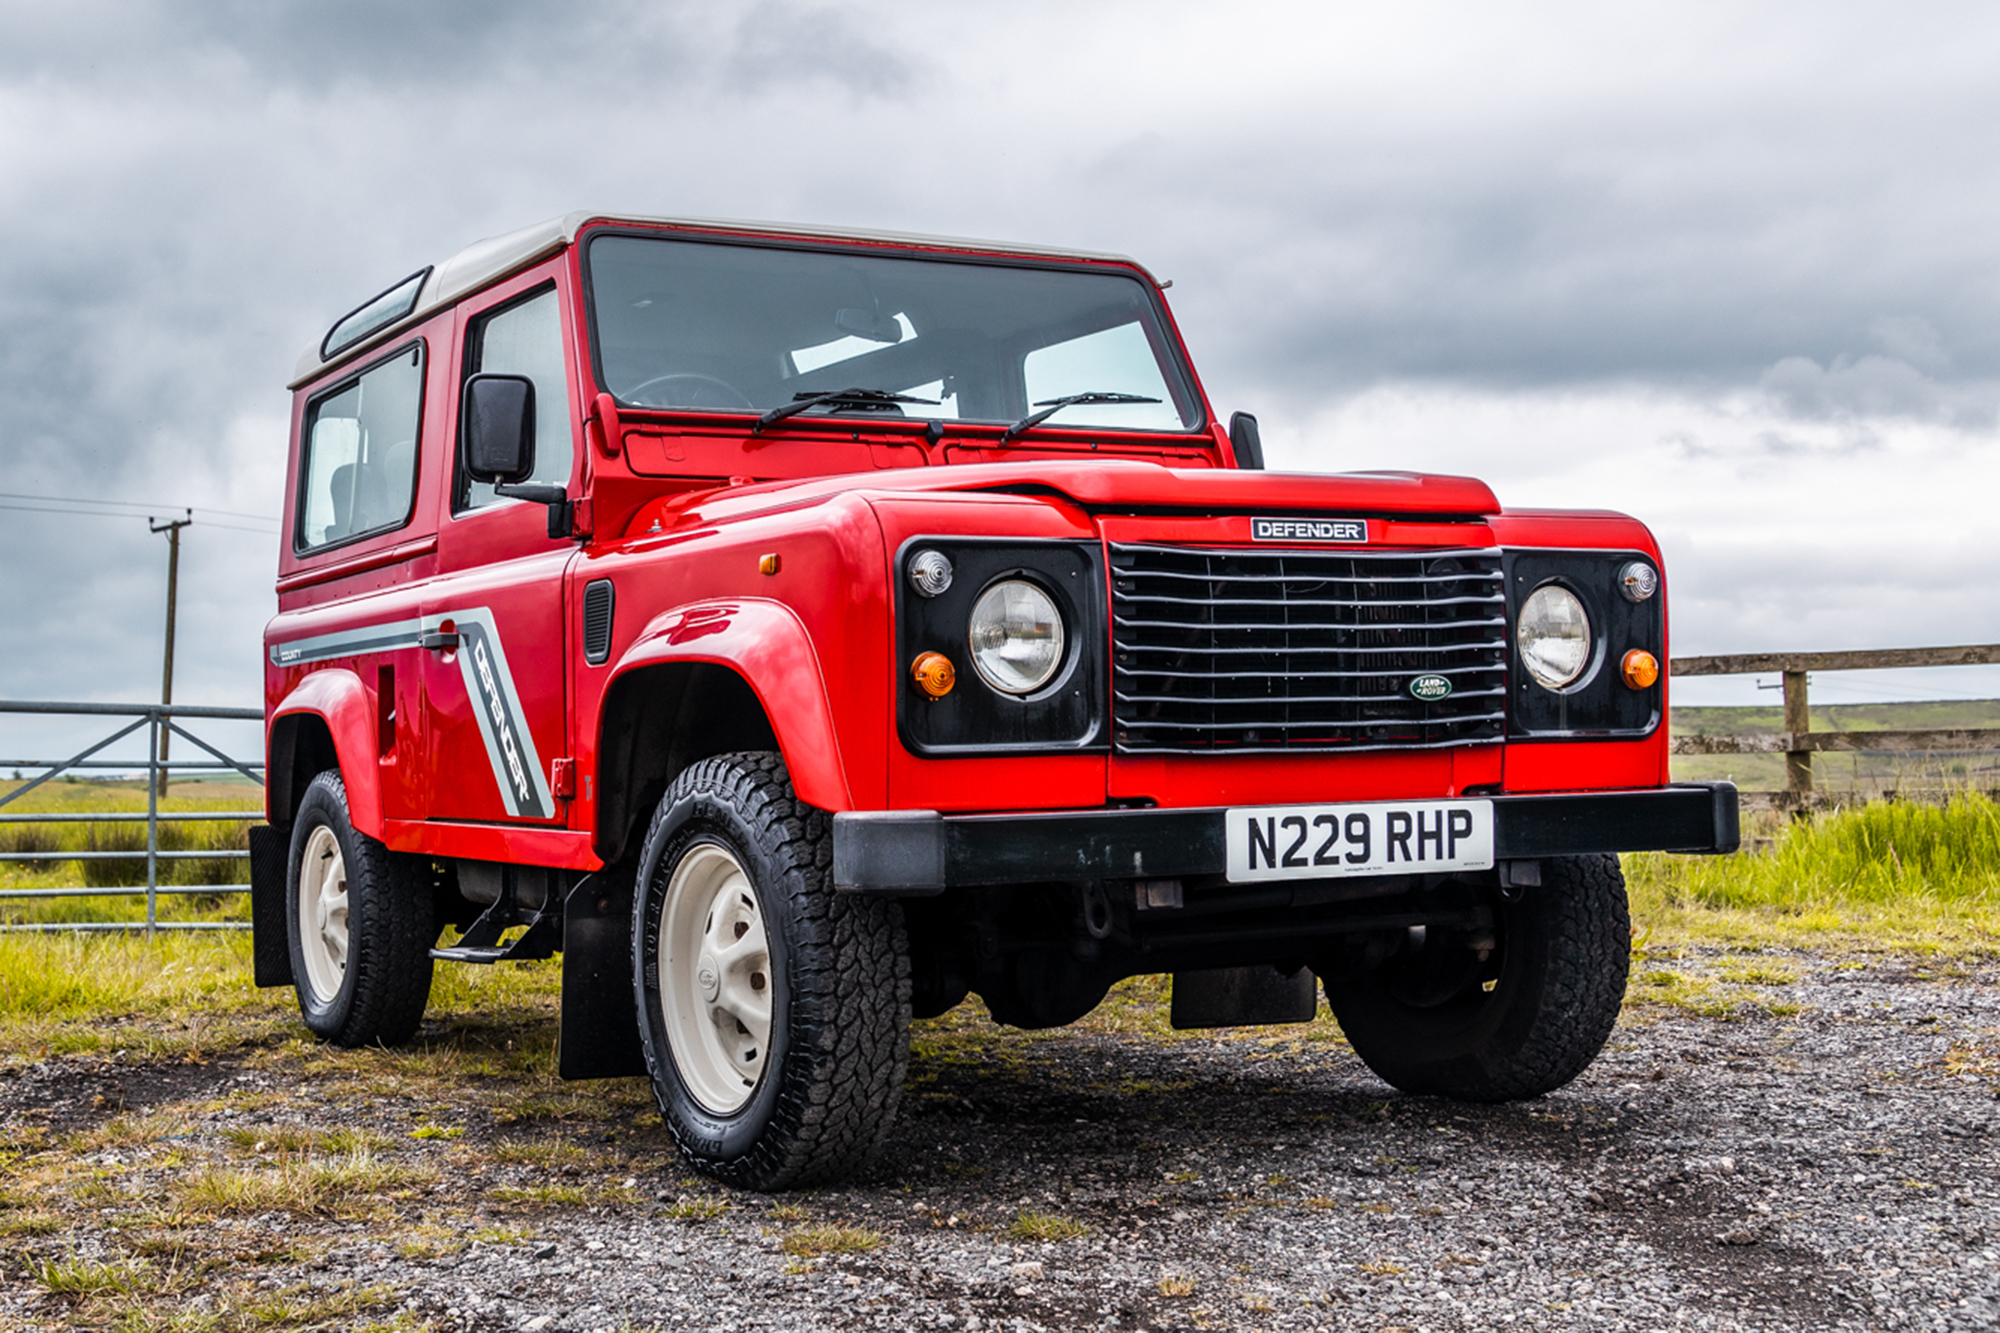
(172, 527)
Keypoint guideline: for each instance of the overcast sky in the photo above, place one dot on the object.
(1733, 269)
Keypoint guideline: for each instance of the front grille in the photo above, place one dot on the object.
(1216, 651)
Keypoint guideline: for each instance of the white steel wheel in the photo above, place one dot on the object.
(323, 914)
(715, 978)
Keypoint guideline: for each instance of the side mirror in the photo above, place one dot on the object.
(1243, 438)
(498, 420)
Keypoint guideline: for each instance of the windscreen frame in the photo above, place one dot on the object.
(1177, 373)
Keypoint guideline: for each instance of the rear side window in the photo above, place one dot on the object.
(361, 453)
(525, 339)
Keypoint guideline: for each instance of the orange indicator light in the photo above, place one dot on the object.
(934, 674)
(769, 564)
(1640, 669)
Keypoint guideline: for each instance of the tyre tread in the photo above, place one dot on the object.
(850, 1050)
(390, 956)
(1584, 925)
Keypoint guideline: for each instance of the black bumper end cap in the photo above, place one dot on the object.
(895, 853)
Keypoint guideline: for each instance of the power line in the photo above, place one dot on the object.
(132, 504)
(100, 513)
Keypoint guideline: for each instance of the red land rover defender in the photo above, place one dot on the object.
(801, 629)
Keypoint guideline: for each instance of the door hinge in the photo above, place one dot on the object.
(562, 777)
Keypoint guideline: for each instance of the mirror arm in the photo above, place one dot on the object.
(555, 497)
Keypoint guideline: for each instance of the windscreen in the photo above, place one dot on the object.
(714, 327)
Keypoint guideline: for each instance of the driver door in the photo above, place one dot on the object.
(495, 703)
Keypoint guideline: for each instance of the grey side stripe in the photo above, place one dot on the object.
(348, 642)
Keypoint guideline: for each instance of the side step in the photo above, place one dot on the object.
(481, 941)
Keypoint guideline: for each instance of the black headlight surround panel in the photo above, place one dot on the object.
(1066, 715)
(1599, 705)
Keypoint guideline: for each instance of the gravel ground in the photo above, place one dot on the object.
(1832, 1167)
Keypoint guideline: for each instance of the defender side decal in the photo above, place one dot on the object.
(482, 662)
(510, 748)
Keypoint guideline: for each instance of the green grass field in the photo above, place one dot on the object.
(86, 797)
(1864, 775)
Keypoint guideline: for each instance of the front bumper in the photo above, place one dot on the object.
(920, 853)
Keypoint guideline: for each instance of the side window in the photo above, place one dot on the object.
(525, 339)
(361, 453)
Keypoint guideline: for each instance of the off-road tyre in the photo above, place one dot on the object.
(1557, 980)
(838, 1047)
(384, 983)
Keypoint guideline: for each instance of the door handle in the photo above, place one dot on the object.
(439, 641)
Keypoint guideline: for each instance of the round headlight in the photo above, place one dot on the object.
(1554, 636)
(1016, 637)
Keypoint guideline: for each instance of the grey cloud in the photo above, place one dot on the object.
(194, 190)
(1850, 388)
(424, 47)
(1914, 339)
(777, 45)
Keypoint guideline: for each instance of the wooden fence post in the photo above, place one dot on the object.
(1798, 759)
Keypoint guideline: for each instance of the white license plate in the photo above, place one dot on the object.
(1338, 841)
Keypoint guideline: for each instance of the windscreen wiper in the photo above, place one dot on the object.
(834, 398)
(1051, 406)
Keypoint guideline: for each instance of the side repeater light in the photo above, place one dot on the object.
(1640, 669)
(934, 674)
(930, 573)
(1638, 581)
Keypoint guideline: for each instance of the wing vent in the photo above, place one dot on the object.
(598, 599)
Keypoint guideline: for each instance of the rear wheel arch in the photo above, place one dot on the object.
(300, 749)
(326, 721)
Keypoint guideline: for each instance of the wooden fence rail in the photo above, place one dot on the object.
(1798, 742)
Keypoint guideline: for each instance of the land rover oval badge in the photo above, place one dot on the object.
(1431, 688)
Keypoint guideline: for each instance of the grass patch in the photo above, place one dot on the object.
(29, 1224)
(305, 1306)
(504, 1235)
(72, 976)
(308, 1185)
(300, 1141)
(562, 1196)
(1890, 875)
(76, 1278)
(694, 1210)
(548, 1154)
(1044, 1226)
(1177, 1285)
(813, 1242)
(428, 1240)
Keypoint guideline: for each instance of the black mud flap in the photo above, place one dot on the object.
(270, 936)
(600, 1017)
(1228, 997)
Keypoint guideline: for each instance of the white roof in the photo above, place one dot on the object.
(486, 261)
